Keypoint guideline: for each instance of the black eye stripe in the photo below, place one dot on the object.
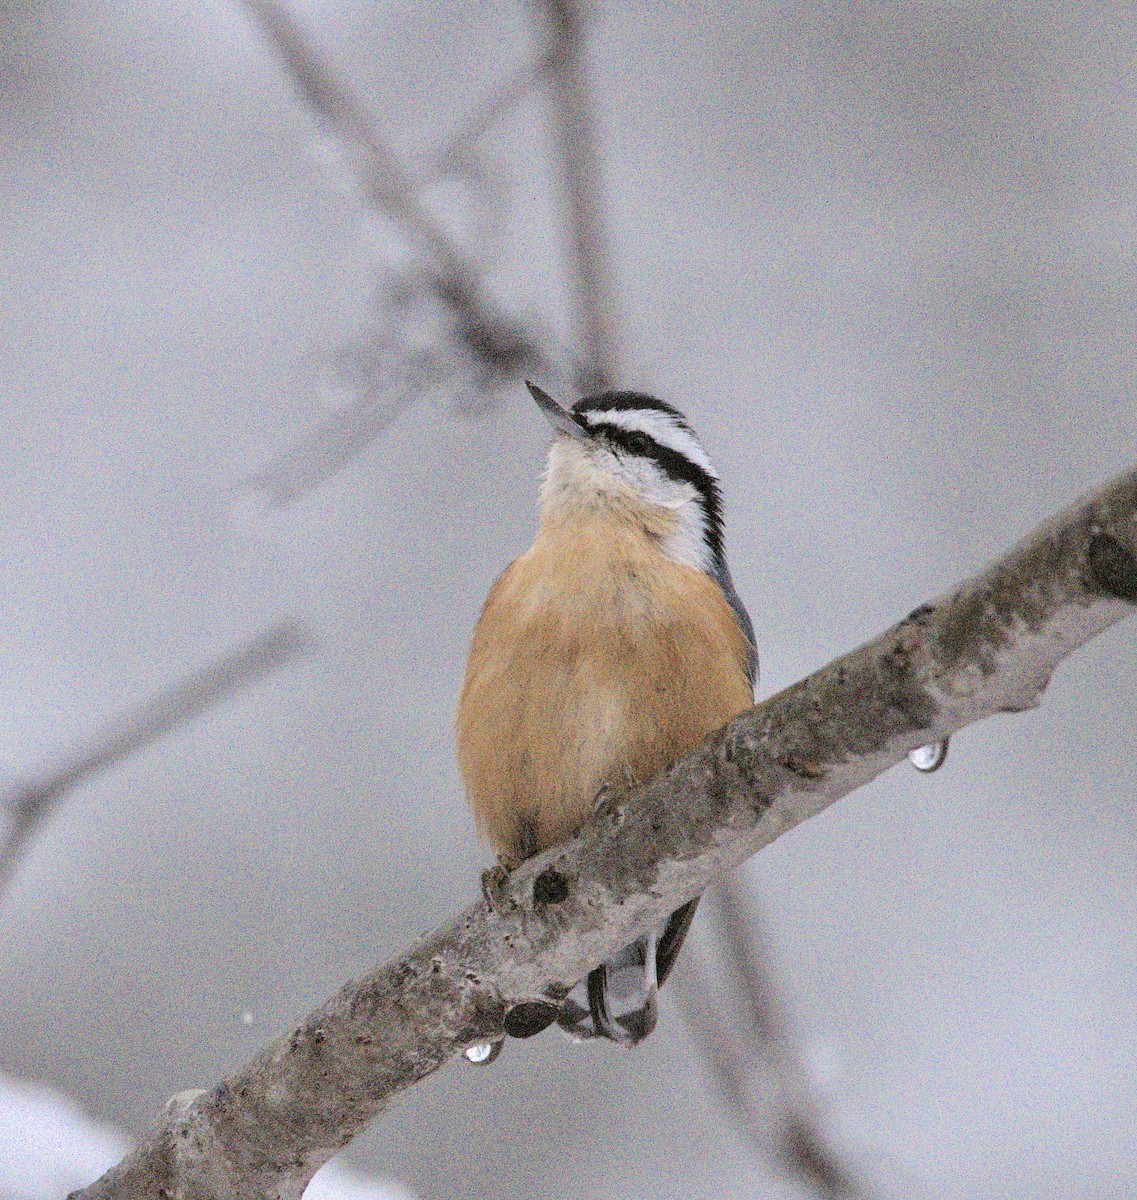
(677, 467)
(673, 463)
(636, 441)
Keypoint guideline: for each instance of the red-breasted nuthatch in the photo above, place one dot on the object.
(609, 649)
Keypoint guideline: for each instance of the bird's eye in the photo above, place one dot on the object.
(638, 443)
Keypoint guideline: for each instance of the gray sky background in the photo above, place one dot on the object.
(884, 256)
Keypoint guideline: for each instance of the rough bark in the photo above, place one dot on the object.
(987, 646)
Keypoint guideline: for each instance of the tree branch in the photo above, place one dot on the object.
(428, 266)
(988, 646)
(30, 804)
(389, 188)
(573, 140)
(755, 1066)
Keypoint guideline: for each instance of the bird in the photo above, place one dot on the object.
(612, 647)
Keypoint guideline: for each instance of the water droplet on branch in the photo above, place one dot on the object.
(929, 758)
(483, 1053)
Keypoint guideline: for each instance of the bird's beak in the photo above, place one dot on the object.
(560, 418)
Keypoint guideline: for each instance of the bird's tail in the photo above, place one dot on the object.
(618, 999)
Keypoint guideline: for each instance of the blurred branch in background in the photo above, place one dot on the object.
(747, 1042)
(502, 966)
(437, 328)
(30, 804)
(390, 189)
(581, 182)
(501, 101)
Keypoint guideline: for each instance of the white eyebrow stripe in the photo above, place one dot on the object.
(658, 426)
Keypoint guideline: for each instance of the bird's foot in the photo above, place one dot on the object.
(493, 880)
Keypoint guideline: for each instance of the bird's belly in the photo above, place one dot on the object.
(564, 697)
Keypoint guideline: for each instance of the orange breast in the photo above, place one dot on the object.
(596, 659)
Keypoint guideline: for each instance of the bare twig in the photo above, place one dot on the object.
(755, 1066)
(574, 142)
(477, 332)
(692, 994)
(779, 1128)
(329, 446)
(503, 965)
(505, 97)
(30, 804)
(473, 333)
(385, 184)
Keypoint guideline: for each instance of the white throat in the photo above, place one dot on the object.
(585, 478)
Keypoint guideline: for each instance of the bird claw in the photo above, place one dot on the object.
(493, 880)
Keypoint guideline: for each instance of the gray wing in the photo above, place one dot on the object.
(722, 574)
